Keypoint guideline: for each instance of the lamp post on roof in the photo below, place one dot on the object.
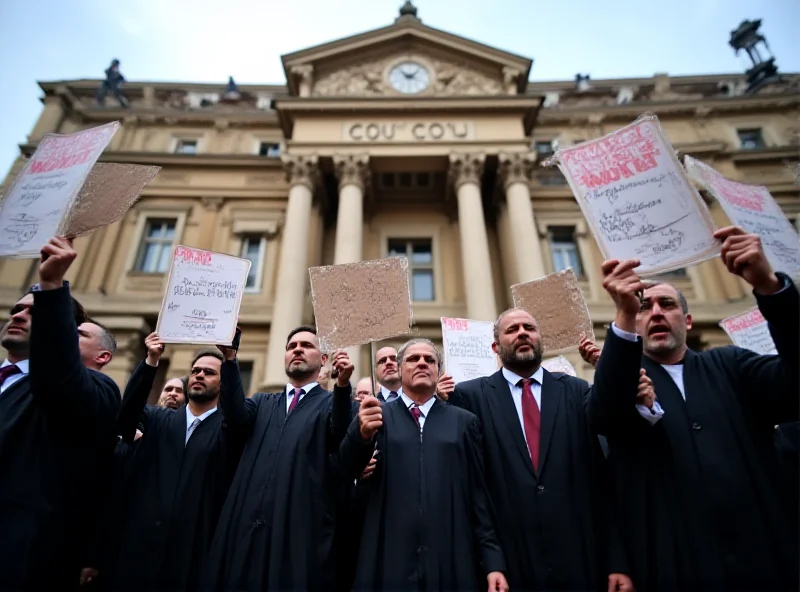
(748, 38)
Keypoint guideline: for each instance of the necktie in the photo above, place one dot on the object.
(194, 424)
(296, 399)
(7, 371)
(531, 420)
(416, 414)
(392, 396)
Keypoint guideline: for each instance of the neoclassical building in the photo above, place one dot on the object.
(402, 140)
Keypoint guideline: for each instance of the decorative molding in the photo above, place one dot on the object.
(305, 72)
(510, 79)
(516, 167)
(352, 169)
(301, 170)
(466, 168)
(212, 204)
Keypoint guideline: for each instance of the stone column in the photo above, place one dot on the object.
(466, 171)
(290, 289)
(515, 171)
(353, 173)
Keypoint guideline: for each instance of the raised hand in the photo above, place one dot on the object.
(624, 287)
(229, 351)
(618, 582)
(744, 256)
(497, 582)
(589, 351)
(57, 256)
(445, 386)
(155, 347)
(370, 417)
(342, 367)
(646, 395)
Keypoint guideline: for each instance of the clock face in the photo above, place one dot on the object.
(409, 77)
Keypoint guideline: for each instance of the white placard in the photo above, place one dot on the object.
(468, 348)
(754, 209)
(750, 331)
(36, 206)
(638, 200)
(559, 364)
(204, 293)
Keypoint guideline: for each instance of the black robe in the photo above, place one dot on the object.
(698, 492)
(276, 528)
(428, 522)
(176, 490)
(56, 427)
(554, 525)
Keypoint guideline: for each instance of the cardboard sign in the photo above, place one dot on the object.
(754, 209)
(468, 348)
(556, 302)
(559, 364)
(40, 198)
(750, 331)
(204, 293)
(638, 200)
(358, 303)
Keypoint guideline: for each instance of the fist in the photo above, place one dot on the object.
(589, 351)
(618, 582)
(342, 368)
(497, 582)
(744, 256)
(622, 284)
(646, 395)
(445, 386)
(367, 473)
(155, 347)
(370, 417)
(57, 256)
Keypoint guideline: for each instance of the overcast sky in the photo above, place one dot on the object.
(209, 40)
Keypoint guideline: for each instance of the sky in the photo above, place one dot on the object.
(207, 41)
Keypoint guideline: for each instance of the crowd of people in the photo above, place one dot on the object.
(660, 476)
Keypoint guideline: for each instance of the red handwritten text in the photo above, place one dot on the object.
(195, 256)
(455, 324)
(55, 153)
(744, 321)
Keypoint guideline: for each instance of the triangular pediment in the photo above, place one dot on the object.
(378, 63)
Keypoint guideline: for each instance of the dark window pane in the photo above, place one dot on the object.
(421, 254)
(405, 180)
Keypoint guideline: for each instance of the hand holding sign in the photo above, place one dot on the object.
(743, 255)
(370, 417)
(57, 256)
(343, 368)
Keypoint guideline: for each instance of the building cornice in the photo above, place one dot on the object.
(765, 154)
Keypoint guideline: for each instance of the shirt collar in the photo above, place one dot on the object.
(307, 388)
(23, 365)
(190, 417)
(513, 379)
(425, 409)
(386, 392)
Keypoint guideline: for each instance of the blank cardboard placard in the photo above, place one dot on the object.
(358, 303)
(559, 364)
(108, 192)
(557, 304)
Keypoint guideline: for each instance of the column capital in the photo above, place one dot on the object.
(301, 170)
(352, 169)
(212, 204)
(516, 167)
(466, 168)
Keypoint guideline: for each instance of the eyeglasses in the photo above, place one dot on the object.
(206, 371)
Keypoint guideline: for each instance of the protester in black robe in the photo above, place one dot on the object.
(276, 528)
(554, 520)
(428, 522)
(179, 476)
(697, 483)
(54, 422)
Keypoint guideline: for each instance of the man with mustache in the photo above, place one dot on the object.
(172, 395)
(544, 468)
(428, 523)
(276, 529)
(178, 477)
(56, 431)
(387, 374)
(697, 478)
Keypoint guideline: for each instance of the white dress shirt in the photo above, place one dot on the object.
(190, 417)
(290, 393)
(516, 392)
(23, 367)
(424, 409)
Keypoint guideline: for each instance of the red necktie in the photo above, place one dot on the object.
(531, 420)
(416, 414)
(7, 371)
(296, 399)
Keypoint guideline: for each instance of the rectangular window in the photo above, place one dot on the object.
(269, 149)
(750, 139)
(420, 260)
(246, 374)
(564, 250)
(676, 273)
(155, 250)
(186, 147)
(253, 248)
(543, 148)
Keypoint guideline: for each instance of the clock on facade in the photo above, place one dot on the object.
(409, 77)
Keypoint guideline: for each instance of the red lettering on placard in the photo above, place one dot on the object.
(195, 256)
(745, 321)
(738, 194)
(455, 324)
(56, 153)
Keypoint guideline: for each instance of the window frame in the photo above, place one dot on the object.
(262, 252)
(275, 145)
(412, 267)
(145, 240)
(180, 142)
(755, 130)
(552, 231)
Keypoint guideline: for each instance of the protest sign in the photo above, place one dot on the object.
(204, 293)
(638, 200)
(750, 331)
(559, 364)
(358, 303)
(468, 348)
(754, 209)
(38, 202)
(556, 302)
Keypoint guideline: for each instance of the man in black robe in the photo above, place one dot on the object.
(276, 528)
(56, 418)
(428, 522)
(179, 476)
(545, 469)
(697, 481)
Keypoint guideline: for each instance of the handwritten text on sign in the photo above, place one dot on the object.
(468, 348)
(755, 210)
(750, 331)
(203, 297)
(638, 200)
(39, 200)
